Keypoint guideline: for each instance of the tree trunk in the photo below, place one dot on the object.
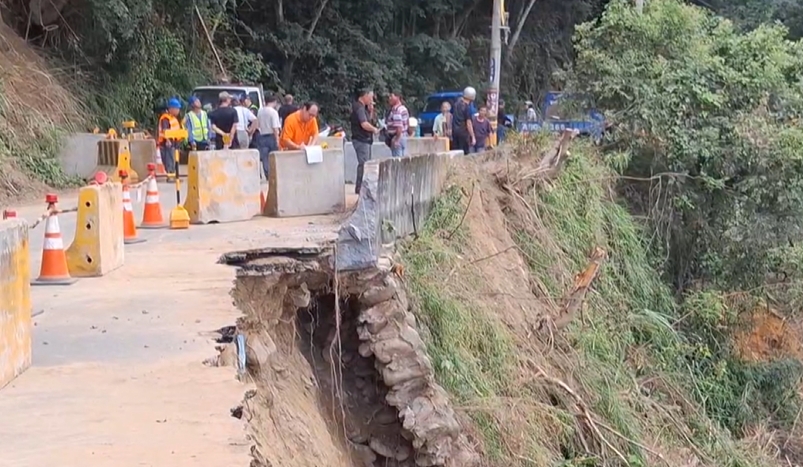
(517, 33)
(287, 69)
(461, 20)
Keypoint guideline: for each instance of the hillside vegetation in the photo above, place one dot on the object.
(687, 351)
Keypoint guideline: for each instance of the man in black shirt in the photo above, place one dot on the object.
(462, 130)
(224, 122)
(362, 133)
(287, 108)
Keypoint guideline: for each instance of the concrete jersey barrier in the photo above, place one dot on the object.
(396, 197)
(98, 245)
(15, 300)
(223, 186)
(79, 154)
(381, 151)
(297, 188)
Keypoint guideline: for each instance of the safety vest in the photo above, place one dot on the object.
(174, 125)
(200, 126)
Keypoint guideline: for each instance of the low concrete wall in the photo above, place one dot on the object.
(142, 154)
(396, 197)
(79, 154)
(15, 300)
(297, 188)
(380, 151)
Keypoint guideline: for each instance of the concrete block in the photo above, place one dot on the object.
(223, 186)
(299, 189)
(98, 245)
(79, 154)
(426, 145)
(15, 300)
(143, 152)
(380, 151)
(333, 142)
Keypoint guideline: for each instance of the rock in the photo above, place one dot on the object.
(377, 294)
(365, 350)
(365, 454)
(358, 436)
(382, 448)
(386, 416)
(300, 297)
(403, 452)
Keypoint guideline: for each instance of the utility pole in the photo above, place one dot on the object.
(495, 66)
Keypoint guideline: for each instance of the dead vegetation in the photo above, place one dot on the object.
(548, 325)
(35, 112)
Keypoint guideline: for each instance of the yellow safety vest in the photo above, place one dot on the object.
(200, 126)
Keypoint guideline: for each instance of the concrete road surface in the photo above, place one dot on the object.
(117, 378)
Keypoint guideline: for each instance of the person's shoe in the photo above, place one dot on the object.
(356, 190)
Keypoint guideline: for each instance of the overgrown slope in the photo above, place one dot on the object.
(35, 112)
(620, 381)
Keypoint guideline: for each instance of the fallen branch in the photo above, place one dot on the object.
(582, 282)
(581, 405)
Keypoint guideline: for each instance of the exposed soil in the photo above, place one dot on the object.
(352, 391)
(342, 377)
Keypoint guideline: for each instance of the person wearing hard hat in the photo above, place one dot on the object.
(199, 129)
(169, 121)
(462, 129)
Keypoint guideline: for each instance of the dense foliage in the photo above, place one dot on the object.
(706, 131)
(140, 52)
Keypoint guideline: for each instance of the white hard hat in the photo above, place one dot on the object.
(469, 93)
(413, 122)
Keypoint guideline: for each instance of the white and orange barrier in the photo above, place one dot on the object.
(54, 270)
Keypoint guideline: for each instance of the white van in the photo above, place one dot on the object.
(209, 94)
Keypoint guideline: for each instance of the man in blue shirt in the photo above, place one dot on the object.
(199, 129)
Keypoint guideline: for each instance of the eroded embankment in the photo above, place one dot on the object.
(342, 376)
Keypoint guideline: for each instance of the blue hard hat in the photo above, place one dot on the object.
(173, 104)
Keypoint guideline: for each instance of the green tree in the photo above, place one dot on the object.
(708, 116)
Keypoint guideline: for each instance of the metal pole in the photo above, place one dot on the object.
(492, 97)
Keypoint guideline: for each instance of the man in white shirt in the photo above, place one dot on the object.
(245, 124)
(270, 127)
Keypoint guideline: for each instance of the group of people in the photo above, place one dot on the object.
(238, 123)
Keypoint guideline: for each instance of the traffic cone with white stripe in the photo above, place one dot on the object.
(54, 269)
(152, 214)
(129, 225)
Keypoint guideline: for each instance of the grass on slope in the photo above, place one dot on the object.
(481, 304)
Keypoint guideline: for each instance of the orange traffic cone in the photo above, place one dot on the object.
(160, 167)
(152, 215)
(129, 225)
(54, 262)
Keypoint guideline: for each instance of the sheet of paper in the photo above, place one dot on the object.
(314, 154)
